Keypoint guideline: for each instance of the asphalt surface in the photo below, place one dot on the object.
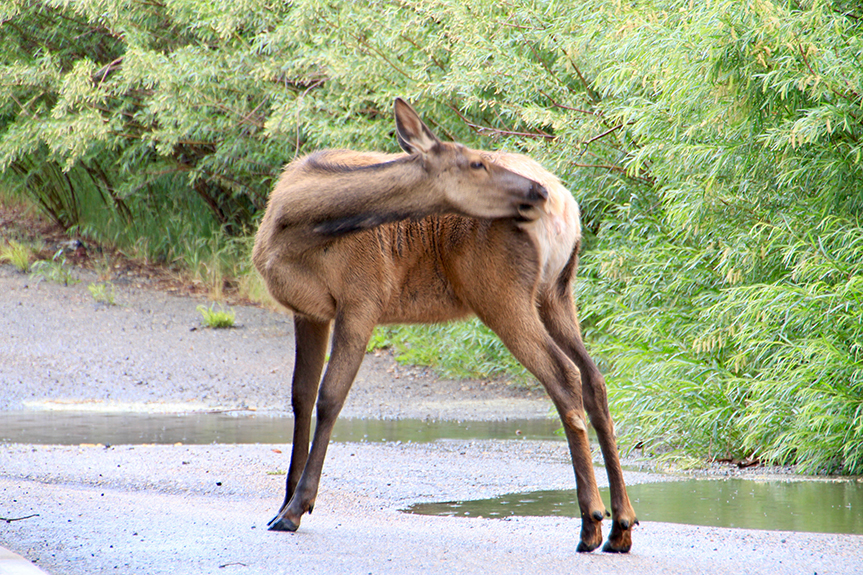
(150, 509)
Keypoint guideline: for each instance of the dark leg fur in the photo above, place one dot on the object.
(558, 314)
(350, 337)
(311, 349)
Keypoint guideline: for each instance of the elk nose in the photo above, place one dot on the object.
(537, 193)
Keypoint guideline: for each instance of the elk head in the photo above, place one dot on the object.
(469, 181)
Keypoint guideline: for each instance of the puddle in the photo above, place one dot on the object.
(73, 428)
(819, 506)
(815, 506)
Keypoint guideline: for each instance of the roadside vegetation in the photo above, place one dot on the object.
(217, 318)
(103, 292)
(714, 147)
(55, 270)
(17, 254)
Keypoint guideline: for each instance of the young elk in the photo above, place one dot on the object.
(354, 239)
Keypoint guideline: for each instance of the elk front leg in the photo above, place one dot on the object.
(311, 350)
(522, 332)
(558, 315)
(350, 338)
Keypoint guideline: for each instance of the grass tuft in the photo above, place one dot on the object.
(55, 270)
(17, 254)
(216, 319)
(102, 292)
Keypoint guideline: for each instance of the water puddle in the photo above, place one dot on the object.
(820, 506)
(815, 506)
(73, 428)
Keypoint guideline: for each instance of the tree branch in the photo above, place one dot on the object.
(421, 49)
(617, 169)
(832, 89)
(604, 134)
(570, 108)
(480, 129)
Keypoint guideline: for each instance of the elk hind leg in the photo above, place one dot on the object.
(524, 335)
(557, 311)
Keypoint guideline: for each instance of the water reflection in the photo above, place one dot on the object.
(819, 506)
(72, 428)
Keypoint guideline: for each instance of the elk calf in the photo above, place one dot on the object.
(355, 239)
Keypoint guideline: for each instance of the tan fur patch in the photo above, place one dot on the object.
(558, 228)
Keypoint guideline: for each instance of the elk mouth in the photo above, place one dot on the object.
(528, 212)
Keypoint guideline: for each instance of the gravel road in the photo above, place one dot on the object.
(150, 509)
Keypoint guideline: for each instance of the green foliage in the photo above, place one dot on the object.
(461, 349)
(56, 270)
(167, 227)
(715, 149)
(103, 292)
(16, 254)
(216, 319)
(212, 260)
(724, 295)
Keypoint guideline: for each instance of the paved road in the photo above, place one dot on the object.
(203, 509)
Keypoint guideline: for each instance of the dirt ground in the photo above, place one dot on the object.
(150, 509)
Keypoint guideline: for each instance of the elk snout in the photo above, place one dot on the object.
(537, 193)
(529, 208)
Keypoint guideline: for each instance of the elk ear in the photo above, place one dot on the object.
(413, 135)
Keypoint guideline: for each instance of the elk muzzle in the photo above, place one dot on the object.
(529, 209)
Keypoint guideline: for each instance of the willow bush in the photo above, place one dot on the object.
(714, 147)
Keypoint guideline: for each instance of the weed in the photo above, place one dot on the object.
(17, 254)
(54, 271)
(217, 318)
(103, 269)
(217, 260)
(100, 292)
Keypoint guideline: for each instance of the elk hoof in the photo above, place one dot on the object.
(620, 538)
(278, 523)
(591, 532)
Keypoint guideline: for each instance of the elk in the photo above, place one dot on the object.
(350, 240)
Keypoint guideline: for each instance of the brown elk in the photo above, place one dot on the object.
(355, 239)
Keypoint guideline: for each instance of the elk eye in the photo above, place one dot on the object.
(477, 165)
